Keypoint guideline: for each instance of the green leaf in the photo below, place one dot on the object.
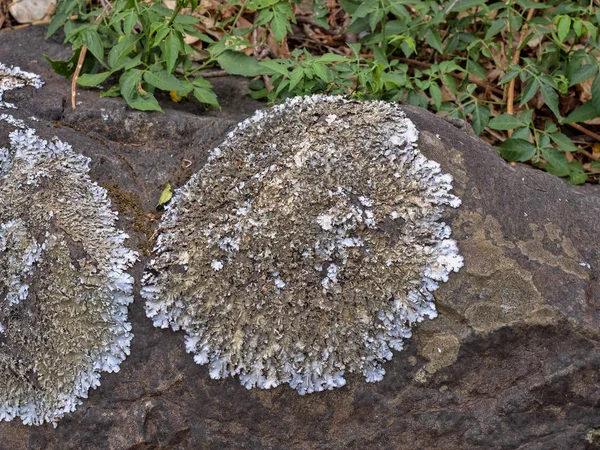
(165, 81)
(531, 4)
(119, 52)
(436, 95)
(130, 91)
(129, 22)
(63, 12)
(596, 93)
(476, 69)
(550, 127)
(557, 160)
(497, 26)
(563, 141)
(394, 79)
(505, 122)
(551, 99)
(321, 71)
(273, 67)
(171, 52)
(522, 133)
(450, 66)
(583, 73)
(511, 74)
(295, 77)
(127, 63)
(517, 150)
(238, 63)
(525, 115)
(577, 177)
(65, 68)
(186, 20)
(434, 40)
(481, 118)
(529, 91)
(205, 95)
(280, 25)
(332, 57)
(563, 25)
(350, 6)
(252, 5)
(90, 38)
(587, 111)
(256, 85)
(463, 5)
(114, 91)
(165, 196)
(320, 10)
(92, 80)
(365, 9)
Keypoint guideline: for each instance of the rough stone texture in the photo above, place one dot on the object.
(512, 361)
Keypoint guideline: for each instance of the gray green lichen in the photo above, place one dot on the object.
(64, 289)
(306, 247)
(15, 78)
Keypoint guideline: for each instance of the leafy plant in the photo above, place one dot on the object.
(525, 73)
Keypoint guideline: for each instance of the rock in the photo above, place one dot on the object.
(512, 360)
(27, 11)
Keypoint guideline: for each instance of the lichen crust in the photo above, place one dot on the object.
(64, 288)
(306, 247)
(15, 78)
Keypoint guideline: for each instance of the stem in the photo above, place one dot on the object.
(383, 36)
(175, 12)
(239, 14)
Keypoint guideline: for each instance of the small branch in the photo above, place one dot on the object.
(585, 131)
(449, 8)
(25, 25)
(76, 75)
(212, 73)
(107, 7)
(511, 87)
(589, 155)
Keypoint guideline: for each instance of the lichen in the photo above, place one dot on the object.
(15, 78)
(306, 247)
(64, 289)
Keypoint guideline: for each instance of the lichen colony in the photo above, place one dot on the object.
(63, 287)
(306, 247)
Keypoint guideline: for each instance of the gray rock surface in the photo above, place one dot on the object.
(512, 361)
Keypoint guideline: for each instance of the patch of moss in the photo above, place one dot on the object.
(129, 205)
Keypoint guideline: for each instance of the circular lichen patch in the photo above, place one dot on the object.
(64, 290)
(306, 247)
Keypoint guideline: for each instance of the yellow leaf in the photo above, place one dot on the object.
(175, 97)
(166, 195)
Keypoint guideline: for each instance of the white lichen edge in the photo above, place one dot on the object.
(165, 310)
(29, 153)
(15, 78)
